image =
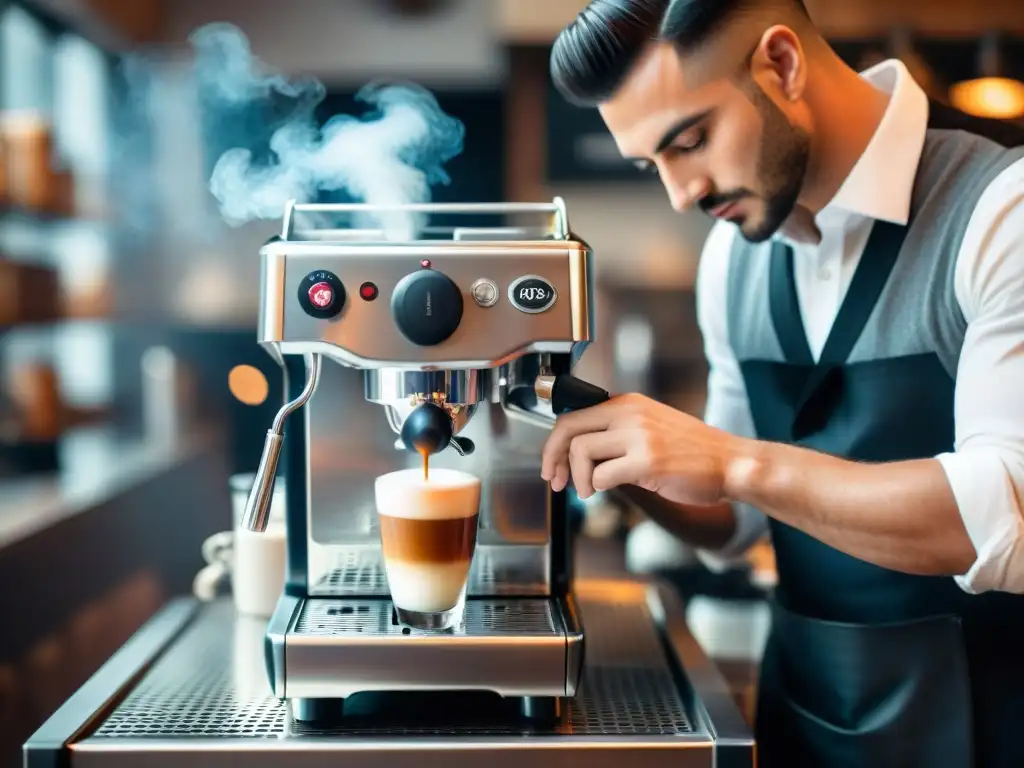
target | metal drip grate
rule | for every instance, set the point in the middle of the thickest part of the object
(376, 617)
(193, 691)
(362, 573)
(357, 573)
(201, 688)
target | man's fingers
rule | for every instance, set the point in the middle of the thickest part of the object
(627, 470)
(569, 426)
(586, 450)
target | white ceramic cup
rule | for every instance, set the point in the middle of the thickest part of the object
(730, 629)
(254, 563)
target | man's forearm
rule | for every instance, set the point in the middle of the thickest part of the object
(702, 527)
(900, 515)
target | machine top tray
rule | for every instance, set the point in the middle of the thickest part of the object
(648, 697)
(375, 618)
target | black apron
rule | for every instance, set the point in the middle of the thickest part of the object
(866, 666)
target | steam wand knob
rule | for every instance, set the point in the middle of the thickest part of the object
(568, 393)
(257, 506)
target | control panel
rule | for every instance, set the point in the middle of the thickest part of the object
(463, 304)
(427, 305)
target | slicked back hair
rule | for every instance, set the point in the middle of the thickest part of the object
(593, 55)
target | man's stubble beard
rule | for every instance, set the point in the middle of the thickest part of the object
(783, 158)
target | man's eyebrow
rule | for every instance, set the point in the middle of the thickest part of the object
(670, 135)
(685, 124)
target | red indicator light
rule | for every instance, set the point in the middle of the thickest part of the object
(368, 291)
(425, 263)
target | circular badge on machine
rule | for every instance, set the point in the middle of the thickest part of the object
(531, 294)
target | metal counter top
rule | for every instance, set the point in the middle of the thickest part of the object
(190, 688)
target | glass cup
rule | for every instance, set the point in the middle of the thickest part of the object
(428, 531)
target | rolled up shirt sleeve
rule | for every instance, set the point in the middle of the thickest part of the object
(986, 468)
(727, 406)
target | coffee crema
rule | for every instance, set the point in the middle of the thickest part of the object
(428, 535)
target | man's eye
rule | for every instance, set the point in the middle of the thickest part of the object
(691, 143)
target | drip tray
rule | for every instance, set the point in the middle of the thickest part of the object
(211, 683)
(191, 689)
(512, 647)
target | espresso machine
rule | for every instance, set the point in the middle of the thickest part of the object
(459, 343)
(450, 344)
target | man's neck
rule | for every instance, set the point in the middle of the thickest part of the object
(847, 111)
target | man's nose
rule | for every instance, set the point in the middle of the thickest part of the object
(684, 195)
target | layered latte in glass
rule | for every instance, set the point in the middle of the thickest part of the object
(428, 530)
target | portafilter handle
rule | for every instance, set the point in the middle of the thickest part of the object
(568, 393)
(257, 506)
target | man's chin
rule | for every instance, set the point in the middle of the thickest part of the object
(757, 233)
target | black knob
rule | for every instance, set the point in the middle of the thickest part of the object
(427, 306)
(321, 294)
(428, 429)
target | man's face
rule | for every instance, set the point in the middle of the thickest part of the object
(716, 141)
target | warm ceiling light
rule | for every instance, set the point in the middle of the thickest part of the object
(998, 97)
(991, 94)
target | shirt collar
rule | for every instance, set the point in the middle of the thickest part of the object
(881, 183)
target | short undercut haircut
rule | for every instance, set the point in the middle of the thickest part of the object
(594, 54)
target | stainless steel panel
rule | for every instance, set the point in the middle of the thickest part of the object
(574, 651)
(366, 331)
(510, 647)
(350, 444)
(512, 751)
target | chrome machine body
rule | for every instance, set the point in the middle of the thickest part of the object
(347, 684)
(456, 327)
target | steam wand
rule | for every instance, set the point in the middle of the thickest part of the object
(257, 507)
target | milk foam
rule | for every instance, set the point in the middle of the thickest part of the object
(426, 587)
(447, 495)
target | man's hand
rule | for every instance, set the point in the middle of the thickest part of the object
(633, 440)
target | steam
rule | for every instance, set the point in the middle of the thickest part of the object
(392, 154)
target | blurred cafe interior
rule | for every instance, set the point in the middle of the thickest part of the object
(134, 397)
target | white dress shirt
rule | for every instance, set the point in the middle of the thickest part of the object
(986, 467)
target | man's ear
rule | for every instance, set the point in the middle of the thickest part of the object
(780, 58)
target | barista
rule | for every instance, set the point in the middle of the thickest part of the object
(861, 299)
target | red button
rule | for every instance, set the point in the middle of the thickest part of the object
(368, 291)
(321, 295)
